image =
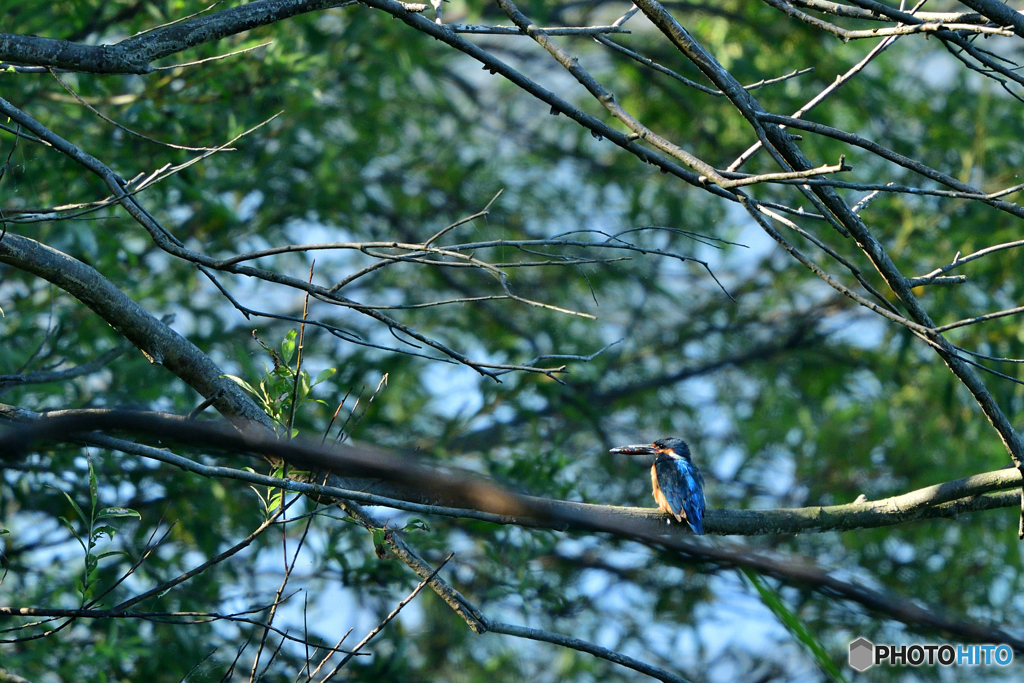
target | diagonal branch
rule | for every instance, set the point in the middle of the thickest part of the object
(136, 54)
(158, 342)
(789, 155)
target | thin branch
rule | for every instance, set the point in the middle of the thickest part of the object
(289, 568)
(298, 354)
(552, 30)
(841, 10)
(215, 58)
(584, 646)
(88, 368)
(960, 260)
(479, 498)
(199, 569)
(380, 627)
(927, 27)
(120, 126)
(744, 179)
(790, 157)
(468, 219)
(980, 319)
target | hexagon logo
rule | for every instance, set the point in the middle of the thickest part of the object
(862, 654)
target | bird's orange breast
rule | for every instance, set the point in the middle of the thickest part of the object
(660, 498)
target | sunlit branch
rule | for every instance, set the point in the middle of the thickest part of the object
(962, 190)
(841, 10)
(550, 30)
(959, 260)
(651, 64)
(790, 157)
(949, 499)
(831, 88)
(480, 498)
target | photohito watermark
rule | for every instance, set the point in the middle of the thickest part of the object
(864, 654)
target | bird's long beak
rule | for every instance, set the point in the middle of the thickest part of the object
(638, 449)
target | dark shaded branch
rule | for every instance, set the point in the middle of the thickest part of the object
(135, 55)
(999, 13)
(455, 493)
(512, 508)
(584, 646)
(88, 368)
(158, 342)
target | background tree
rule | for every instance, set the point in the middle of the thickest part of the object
(797, 326)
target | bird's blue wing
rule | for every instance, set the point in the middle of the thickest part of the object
(683, 487)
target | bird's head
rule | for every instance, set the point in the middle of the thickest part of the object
(669, 446)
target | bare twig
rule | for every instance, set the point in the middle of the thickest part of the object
(380, 627)
(550, 30)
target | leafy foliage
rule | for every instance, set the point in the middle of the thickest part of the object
(789, 397)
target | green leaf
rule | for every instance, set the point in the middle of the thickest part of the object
(65, 522)
(74, 505)
(288, 346)
(242, 383)
(93, 486)
(117, 512)
(111, 553)
(416, 524)
(323, 375)
(793, 623)
(263, 502)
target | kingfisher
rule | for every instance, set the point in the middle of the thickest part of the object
(678, 484)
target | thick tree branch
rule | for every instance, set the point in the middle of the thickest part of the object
(160, 344)
(452, 493)
(135, 55)
(999, 13)
(504, 506)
